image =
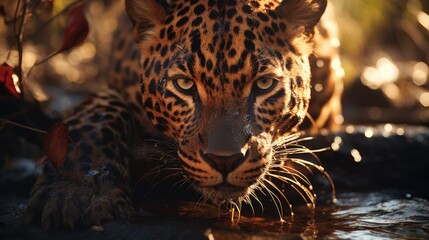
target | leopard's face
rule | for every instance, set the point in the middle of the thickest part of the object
(225, 79)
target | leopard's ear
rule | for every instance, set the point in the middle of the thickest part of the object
(145, 14)
(305, 13)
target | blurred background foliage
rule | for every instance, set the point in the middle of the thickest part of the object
(385, 54)
(384, 46)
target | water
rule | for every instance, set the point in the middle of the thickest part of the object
(372, 215)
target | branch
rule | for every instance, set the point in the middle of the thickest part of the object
(6, 121)
(19, 36)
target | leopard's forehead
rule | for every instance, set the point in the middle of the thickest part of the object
(224, 43)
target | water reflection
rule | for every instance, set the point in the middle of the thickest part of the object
(389, 218)
(354, 216)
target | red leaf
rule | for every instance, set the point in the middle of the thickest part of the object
(6, 78)
(56, 143)
(76, 30)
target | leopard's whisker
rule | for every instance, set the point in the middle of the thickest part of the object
(282, 194)
(248, 201)
(179, 184)
(162, 180)
(292, 172)
(253, 194)
(296, 176)
(321, 170)
(234, 206)
(299, 150)
(275, 199)
(158, 169)
(284, 140)
(199, 201)
(298, 187)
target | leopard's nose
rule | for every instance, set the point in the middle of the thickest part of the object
(224, 164)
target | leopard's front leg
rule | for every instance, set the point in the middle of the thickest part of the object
(92, 187)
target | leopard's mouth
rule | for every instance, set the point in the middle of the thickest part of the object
(221, 177)
(224, 192)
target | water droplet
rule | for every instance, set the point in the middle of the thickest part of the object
(408, 195)
(334, 200)
(310, 187)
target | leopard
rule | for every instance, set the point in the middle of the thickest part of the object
(218, 81)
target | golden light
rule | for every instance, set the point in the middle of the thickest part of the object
(384, 72)
(388, 127)
(337, 68)
(339, 119)
(387, 130)
(424, 99)
(389, 72)
(318, 87)
(29, 58)
(38, 93)
(335, 42)
(336, 143)
(423, 19)
(15, 80)
(391, 91)
(320, 63)
(371, 78)
(350, 129)
(420, 73)
(356, 155)
(369, 133)
(83, 53)
(62, 66)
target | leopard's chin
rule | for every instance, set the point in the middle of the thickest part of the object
(224, 193)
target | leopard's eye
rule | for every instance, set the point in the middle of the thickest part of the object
(184, 84)
(265, 84)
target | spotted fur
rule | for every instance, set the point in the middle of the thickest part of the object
(220, 79)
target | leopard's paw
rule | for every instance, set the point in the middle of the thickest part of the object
(73, 205)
